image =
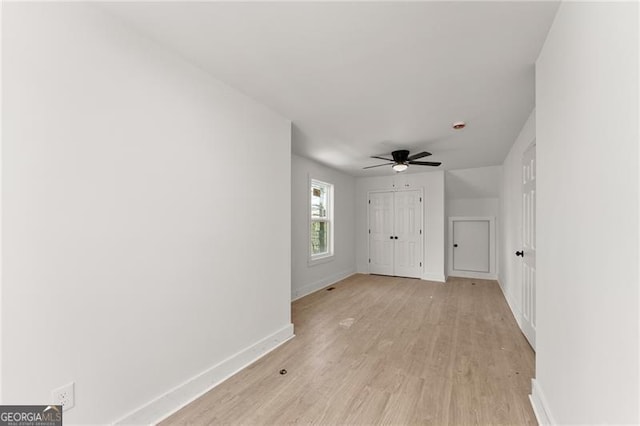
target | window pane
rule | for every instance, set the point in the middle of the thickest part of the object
(318, 201)
(319, 237)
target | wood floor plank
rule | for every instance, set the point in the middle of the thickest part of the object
(385, 350)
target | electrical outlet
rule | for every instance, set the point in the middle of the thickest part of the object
(64, 396)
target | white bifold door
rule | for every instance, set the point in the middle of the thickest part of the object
(395, 233)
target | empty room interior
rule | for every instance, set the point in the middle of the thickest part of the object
(321, 212)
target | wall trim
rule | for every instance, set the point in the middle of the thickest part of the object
(430, 276)
(320, 284)
(515, 309)
(173, 400)
(540, 405)
(477, 275)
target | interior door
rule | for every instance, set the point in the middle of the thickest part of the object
(381, 242)
(395, 233)
(528, 252)
(471, 245)
(408, 234)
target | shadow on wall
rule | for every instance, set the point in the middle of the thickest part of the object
(481, 182)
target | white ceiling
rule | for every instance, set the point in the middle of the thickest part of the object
(361, 79)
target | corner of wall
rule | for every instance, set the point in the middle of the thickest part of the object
(540, 405)
(305, 278)
(429, 276)
(307, 289)
(173, 400)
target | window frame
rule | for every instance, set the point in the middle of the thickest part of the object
(314, 259)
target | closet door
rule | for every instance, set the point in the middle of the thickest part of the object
(408, 230)
(381, 233)
(395, 233)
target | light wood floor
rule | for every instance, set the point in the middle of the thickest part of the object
(416, 353)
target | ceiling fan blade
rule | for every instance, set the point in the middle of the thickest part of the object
(379, 165)
(419, 155)
(424, 163)
(382, 158)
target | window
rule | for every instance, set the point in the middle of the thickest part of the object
(321, 235)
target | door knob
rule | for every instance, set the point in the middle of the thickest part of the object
(520, 253)
(455, 245)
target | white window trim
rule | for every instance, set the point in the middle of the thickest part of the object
(325, 257)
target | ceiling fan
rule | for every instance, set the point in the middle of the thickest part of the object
(402, 159)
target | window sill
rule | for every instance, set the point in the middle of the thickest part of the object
(320, 260)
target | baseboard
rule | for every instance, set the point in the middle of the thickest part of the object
(476, 275)
(178, 397)
(320, 284)
(430, 276)
(515, 309)
(540, 405)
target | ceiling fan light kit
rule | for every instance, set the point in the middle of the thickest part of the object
(401, 160)
(401, 167)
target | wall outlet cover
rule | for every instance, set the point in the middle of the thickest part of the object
(64, 396)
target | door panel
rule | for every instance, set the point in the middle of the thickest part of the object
(408, 229)
(381, 229)
(395, 233)
(471, 241)
(529, 245)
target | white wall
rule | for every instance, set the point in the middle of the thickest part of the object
(587, 363)
(434, 220)
(478, 182)
(474, 207)
(474, 192)
(135, 254)
(510, 266)
(305, 277)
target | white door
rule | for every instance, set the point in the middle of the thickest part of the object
(395, 233)
(528, 252)
(381, 240)
(408, 234)
(471, 245)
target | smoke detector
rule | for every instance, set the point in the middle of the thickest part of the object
(459, 125)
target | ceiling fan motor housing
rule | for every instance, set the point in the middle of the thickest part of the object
(400, 156)
(402, 159)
